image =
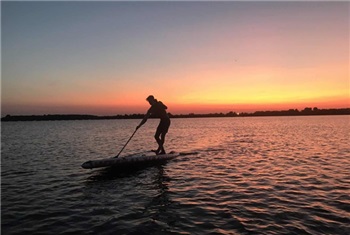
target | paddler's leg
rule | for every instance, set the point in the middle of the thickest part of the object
(163, 130)
(162, 140)
(159, 142)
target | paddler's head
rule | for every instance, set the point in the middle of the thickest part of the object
(151, 100)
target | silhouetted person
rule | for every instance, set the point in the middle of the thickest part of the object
(158, 109)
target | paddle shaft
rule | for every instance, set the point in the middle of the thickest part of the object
(126, 144)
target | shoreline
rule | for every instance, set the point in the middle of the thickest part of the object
(66, 117)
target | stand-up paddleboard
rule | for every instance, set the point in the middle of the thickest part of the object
(129, 161)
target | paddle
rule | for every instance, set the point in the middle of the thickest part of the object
(125, 144)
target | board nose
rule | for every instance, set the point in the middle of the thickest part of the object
(86, 165)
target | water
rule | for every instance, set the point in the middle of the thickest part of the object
(271, 175)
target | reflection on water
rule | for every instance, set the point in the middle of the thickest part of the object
(272, 175)
(111, 173)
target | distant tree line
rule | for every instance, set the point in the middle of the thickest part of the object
(57, 117)
(296, 112)
(290, 112)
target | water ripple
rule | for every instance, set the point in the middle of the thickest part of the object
(287, 175)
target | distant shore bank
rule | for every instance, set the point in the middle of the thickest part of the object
(290, 112)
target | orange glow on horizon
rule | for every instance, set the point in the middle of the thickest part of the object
(141, 106)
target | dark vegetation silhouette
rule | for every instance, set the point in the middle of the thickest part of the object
(290, 112)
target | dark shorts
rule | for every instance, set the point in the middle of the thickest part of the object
(163, 126)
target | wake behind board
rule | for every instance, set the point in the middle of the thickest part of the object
(129, 161)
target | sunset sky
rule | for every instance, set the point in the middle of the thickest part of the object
(105, 58)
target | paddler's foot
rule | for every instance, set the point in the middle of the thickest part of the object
(162, 152)
(155, 151)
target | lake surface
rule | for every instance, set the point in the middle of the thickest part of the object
(257, 175)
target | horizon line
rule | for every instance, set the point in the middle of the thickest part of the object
(190, 113)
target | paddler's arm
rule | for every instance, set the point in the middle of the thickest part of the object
(144, 120)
